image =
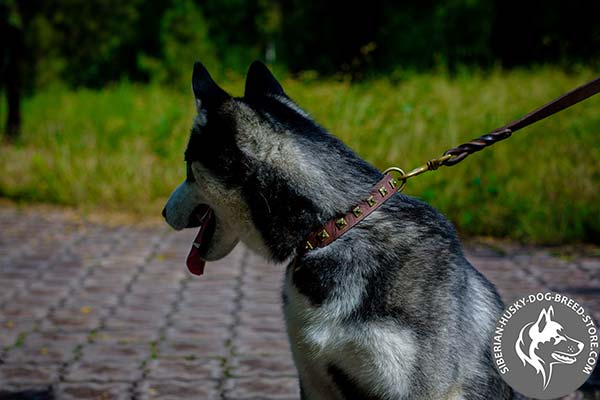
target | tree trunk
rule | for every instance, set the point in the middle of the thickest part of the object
(13, 49)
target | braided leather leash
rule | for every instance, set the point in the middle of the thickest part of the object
(384, 189)
(456, 154)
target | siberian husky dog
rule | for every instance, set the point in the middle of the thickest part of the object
(391, 309)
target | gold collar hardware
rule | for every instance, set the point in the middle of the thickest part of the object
(430, 165)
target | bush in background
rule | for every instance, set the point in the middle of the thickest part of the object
(98, 42)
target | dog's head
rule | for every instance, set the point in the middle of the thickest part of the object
(544, 343)
(259, 169)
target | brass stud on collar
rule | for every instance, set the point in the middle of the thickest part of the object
(383, 191)
(340, 223)
(308, 246)
(323, 235)
(357, 211)
(371, 201)
(393, 183)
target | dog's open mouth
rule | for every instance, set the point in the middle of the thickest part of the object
(203, 217)
(563, 358)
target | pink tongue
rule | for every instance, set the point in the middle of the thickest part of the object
(195, 262)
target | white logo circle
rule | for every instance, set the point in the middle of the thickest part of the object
(545, 345)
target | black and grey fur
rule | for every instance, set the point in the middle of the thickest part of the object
(392, 309)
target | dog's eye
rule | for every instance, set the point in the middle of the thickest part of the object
(558, 339)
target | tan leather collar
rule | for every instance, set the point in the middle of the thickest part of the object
(336, 227)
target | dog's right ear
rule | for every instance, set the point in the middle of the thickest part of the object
(207, 93)
(260, 81)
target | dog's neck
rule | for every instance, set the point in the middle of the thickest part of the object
(285, 211)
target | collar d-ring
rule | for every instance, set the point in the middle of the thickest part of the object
(401, 177)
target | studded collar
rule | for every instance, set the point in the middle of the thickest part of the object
(336, 227)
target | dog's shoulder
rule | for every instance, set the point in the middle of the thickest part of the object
(405, 253)
(404, 240)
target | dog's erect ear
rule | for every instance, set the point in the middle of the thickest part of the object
(205, 89)
(260, 81)
(544, 318)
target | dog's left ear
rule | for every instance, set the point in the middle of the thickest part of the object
(260, 81)
(206, 91)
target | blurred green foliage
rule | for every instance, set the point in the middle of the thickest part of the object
(87, 43)
(178, 42)
(426, 75)
(121, 148)
(92, 43)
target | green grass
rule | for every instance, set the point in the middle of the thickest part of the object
(122, 148)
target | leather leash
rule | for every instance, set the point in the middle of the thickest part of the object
(385, 188)
(573, 97)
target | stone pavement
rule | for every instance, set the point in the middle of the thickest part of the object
(102, 311)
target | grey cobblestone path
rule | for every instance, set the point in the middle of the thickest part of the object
(96, 311)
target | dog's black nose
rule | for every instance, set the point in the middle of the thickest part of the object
(164, 213)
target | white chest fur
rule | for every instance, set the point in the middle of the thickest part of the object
(378, 356)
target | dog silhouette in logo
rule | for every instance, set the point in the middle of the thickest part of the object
(544, 343)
